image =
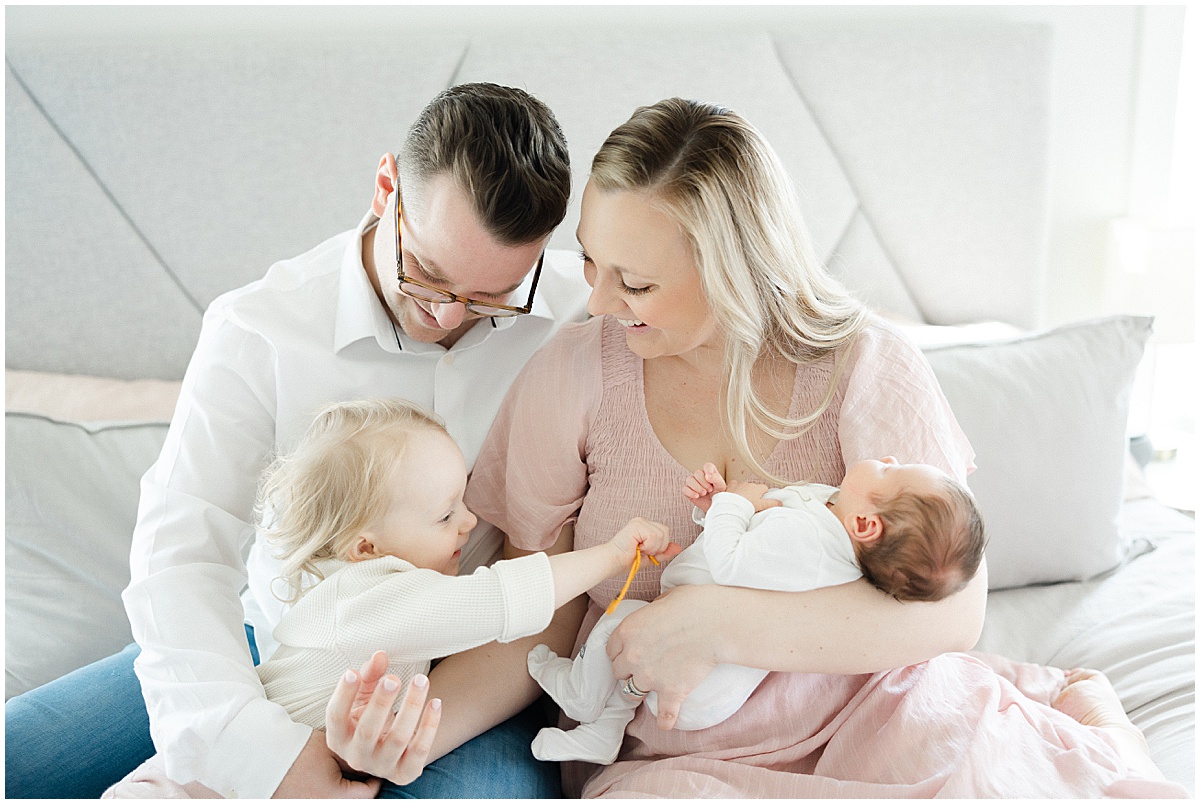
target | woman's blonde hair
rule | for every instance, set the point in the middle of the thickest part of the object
(711, 171)
(315, 500)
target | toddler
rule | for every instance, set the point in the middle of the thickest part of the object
(911, 530)
(368, 518)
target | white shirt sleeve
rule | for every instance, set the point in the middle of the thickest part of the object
(204, 698)
(786, 551)
(420, 614)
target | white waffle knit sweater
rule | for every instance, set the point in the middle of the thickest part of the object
(414, 614)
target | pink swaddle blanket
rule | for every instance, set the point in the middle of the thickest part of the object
(957, 726)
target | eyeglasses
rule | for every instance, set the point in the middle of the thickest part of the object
(427, 293)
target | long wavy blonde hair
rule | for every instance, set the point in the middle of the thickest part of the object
(334, 484)
(715, 174)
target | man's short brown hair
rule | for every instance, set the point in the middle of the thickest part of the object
(504, 149)
(931, 545)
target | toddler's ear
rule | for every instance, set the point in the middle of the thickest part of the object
(362, 548)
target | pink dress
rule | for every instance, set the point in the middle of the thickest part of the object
(573, 443)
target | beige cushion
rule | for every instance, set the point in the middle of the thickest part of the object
(70, 397)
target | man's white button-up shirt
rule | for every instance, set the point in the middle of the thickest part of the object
(271, 354)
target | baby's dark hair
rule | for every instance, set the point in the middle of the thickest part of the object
(932, 544)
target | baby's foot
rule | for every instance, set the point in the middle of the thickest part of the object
(1091, 699)
(539, 659)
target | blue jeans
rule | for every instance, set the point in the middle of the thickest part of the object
(496, 764)
(76, 736)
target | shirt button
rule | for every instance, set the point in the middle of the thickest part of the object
(448, 360)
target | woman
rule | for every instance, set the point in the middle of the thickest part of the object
(718, 337)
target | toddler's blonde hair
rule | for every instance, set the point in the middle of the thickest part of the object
(315, 500)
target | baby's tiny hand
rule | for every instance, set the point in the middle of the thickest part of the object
(654, 539)
(702, 485)
(754, 493)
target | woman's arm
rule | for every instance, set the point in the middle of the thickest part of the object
(672, 644)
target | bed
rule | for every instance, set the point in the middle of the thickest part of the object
(153, 165)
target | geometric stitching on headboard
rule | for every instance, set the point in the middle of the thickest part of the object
(887, 274)
(942, 130)
(265, 168)
(171, 274)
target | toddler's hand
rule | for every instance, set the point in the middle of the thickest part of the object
(653, 538)
(702, 485)
(754, 493)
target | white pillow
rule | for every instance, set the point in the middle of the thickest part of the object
(71, 496)
(1046, 414)
(929, 335)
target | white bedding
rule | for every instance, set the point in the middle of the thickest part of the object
(1137, 625)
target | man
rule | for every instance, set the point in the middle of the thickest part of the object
(481, 182)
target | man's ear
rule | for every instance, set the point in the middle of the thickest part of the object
(361, 548)
(385, 184)
(865, 529)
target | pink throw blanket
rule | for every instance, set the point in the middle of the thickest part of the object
(952, 727)
(957, 726)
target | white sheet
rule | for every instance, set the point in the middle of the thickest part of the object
(1137, 625)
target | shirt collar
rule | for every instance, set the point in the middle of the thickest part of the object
(819, 491)
(361, 315)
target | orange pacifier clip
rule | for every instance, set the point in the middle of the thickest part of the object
(637, 562)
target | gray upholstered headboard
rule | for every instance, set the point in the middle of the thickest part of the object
(145, 176)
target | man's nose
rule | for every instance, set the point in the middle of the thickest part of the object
(449, 315)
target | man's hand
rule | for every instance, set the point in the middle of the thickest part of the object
(316, 773)
(361, 728)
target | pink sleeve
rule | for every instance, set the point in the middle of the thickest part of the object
(531, 474)
(894, 406)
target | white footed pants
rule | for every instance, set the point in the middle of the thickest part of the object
(587, 692)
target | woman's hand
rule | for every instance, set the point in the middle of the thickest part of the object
(362, 730)
(667, 647)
